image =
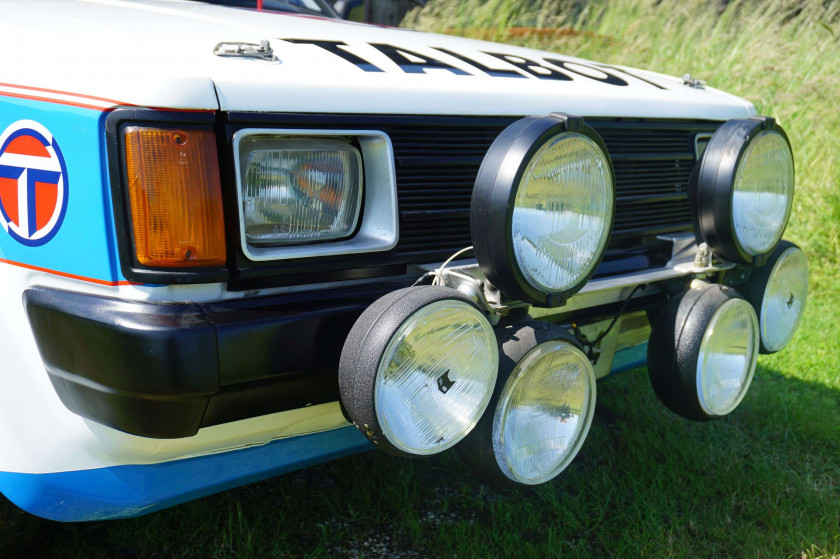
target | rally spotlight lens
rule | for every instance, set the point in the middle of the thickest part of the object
(542, 208)
(742, 190)
(702, 351)
(418, 370)
(544, 413)
(727, 357)
(541, 409)
(561, 213)
(436, 350)
(778, 291)
(763, 192)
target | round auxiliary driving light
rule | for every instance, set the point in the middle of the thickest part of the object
(778, 291)
(742, 190)
(702, 351)
(418, 369)
(542, 208)
(541, 409)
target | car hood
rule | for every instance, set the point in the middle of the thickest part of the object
(161, 54)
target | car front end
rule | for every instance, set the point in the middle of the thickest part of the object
(261, 241)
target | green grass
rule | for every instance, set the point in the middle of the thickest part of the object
(763, 482)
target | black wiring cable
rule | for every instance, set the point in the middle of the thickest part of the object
(422, 279)
(591, 351)
(590, 345)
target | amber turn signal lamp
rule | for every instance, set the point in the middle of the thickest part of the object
(175, 197)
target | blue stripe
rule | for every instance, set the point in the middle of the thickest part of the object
(9, 172)
(128, 491)
(82, 243)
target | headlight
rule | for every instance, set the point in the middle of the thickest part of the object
(541, 411)
(418, 370)
(542, 208)
(743, 189)
(298, 190)
(727, 357)
(702, 352)
(778, 291)
(544, 412)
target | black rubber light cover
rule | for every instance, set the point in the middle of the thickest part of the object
(491, 210)
(777, 291)
(418, 369)
(711, 186)
(675, 349)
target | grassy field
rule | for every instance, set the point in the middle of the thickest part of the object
(764, 482)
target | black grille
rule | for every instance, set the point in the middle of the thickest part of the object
(437, 159)
(437, 165)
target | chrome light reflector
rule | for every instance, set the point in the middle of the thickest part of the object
(542, 208)
(778, 291)
(544, 413)
(702, 351)
(298, 190)
(418, 370)
(742, 189)
(562, 212)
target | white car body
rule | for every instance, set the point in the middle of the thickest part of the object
(65, 65)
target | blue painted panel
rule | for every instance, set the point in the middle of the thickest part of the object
(128, 491)
(629, 358)
(84, 243)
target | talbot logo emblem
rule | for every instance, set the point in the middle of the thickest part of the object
(33, 183)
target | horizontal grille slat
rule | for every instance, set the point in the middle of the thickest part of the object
(418, 196)
(444, 234)
(436, 214)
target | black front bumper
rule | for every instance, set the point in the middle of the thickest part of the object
(164, 370)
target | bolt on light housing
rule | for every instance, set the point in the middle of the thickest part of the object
(742, 189)
(418, 369)
(702, 351)
(540, 412)
(542, 208)
(777, 291)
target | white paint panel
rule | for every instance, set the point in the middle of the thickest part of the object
(39, 435)
(156, 53)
